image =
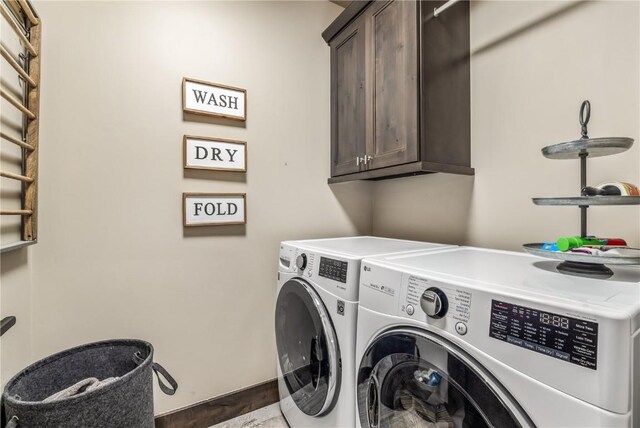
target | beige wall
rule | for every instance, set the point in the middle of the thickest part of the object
(15, 300)
(113, 258)
(532, 64)
(15, 269)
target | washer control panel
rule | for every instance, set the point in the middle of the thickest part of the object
(558, 336)
(436, 300)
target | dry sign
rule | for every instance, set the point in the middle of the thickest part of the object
(214, 153)
(213, 99)
(213, 209)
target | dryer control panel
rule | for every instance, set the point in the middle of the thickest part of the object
(558, 336)
(333, 269)
(332, 272)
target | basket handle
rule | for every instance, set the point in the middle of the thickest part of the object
(13, 422)
(159, 370)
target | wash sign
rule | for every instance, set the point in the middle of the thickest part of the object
(213, 209)
(214, 153)
(213, 99)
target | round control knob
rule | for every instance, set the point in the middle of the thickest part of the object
(301, 261)
(434, 303)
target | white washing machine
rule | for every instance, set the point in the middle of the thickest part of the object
(476, 337)
(315, 323)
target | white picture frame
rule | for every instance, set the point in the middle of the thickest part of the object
(213, 209)
(217, 154)
(213, 99)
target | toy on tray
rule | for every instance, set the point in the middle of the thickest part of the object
(566, 243)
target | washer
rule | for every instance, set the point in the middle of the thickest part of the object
(476, 337)
(315, 322)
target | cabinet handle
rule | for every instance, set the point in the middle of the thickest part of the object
(366, 159)
(360, 160)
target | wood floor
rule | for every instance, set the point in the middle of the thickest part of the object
(266, 417)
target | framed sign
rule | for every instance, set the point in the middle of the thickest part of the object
(213, 99)
(214, 153)
(214, 209)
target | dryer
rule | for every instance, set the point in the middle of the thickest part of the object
(477, 337)
(315, 325)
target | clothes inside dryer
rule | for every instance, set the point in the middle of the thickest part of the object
(409, 380)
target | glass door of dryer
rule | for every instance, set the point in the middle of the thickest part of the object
(412, 378)
(308, 351)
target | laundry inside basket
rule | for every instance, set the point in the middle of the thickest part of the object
(86, 385)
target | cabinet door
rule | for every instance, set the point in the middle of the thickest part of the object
(348, 100)
(392, 79)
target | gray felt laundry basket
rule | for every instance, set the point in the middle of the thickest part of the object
(125, 403)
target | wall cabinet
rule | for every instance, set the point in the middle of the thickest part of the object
(399, 90)
(347, 99)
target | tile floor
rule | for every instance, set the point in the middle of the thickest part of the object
(266, 417)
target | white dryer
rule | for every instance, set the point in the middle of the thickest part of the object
(476, 337)
(315, 325)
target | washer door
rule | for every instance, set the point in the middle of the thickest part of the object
(413, 378)
(308, 351)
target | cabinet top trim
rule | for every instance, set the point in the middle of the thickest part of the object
(347, 15)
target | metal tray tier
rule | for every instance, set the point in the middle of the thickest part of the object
(585, 201)
(536, 250)
(594, 147)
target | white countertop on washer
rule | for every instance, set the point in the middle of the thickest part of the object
(488, 269)
(365, 246)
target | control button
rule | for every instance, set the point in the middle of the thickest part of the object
(409, 310)
(461, 328)
(434, 303)
(301, 261)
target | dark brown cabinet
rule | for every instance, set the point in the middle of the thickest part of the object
(392, 83)
(348, 101)
(399, 90)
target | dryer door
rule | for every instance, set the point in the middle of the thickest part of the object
(413, 378)
(308, 351)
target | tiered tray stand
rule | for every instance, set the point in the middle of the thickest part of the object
(585, 147)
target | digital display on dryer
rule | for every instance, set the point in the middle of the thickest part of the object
(558, 336)
(333, 269)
